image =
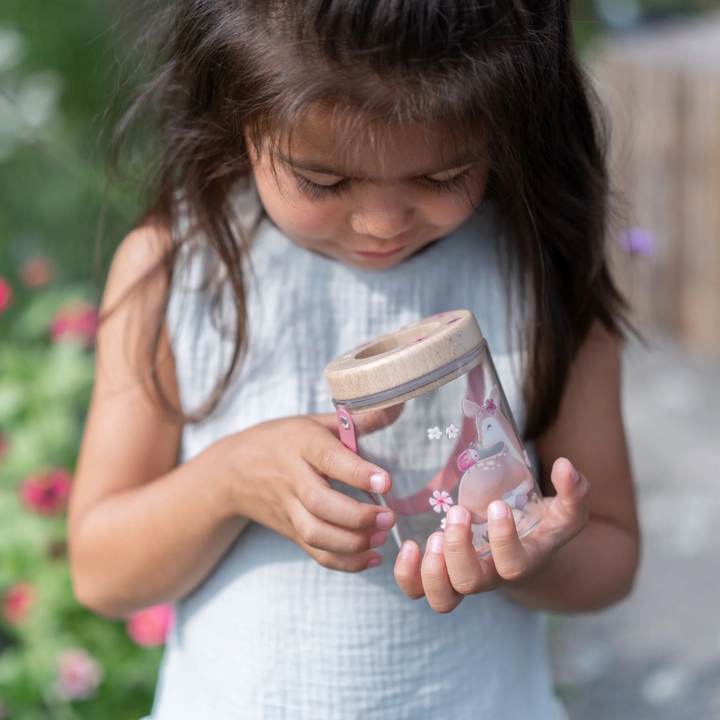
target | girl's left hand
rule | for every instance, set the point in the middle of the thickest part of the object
(451, 569)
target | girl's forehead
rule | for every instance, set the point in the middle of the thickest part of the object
(347, 146)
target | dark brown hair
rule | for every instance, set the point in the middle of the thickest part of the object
(506, 69)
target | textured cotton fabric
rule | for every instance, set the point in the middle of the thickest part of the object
(271, 634)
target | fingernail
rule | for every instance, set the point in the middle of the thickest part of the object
(374, 562)
(377, 539)
(575, 474)
(385, 520)
(377, 482)
(456, 515)
(498, 510)
(435, 544)
(406, 550)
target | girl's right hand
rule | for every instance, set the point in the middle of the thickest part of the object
(278, 477)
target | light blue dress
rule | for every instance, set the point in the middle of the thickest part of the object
(273, 635)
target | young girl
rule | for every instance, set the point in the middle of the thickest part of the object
(332, 170)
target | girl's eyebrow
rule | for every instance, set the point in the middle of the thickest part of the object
(311, 166)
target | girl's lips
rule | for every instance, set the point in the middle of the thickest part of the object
(381, 255)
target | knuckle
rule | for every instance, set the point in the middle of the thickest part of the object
(313, 500)
(358, 543)
(452, 542)
(310, 535)
(327, 457)
(512, 571)
(468, 586)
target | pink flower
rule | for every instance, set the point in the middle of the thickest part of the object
(17, 602)
(75, 322)
(47, 493)
(420, 339)
(454, 320)
(6, 294)
(36, 272)
(150, 627)
(79, 675)
(440, 501)
(490, 406)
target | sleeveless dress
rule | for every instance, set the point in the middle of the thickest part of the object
(271, 634)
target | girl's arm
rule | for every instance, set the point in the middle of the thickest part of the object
(584, 554)
(597, 567)
(133, 542)
(143, 531)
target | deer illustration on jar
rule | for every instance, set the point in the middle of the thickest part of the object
(503, 475)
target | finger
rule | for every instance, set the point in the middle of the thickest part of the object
(320, 500)
(509, 556)
(343, 562)
(440, 593)
(328, 420)
(570, 508)
(332, 458)
(407, 570)
(322, 535)
(467, 574)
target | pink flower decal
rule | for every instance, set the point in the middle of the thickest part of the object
(490, 406)
(440, 501)
(439, 315)
(18, 602)
(419, 340)
(150, 627)
(6, 294)
(454, 320)
(78, 675)
(36, 272)
(46, 494)
(75, 322)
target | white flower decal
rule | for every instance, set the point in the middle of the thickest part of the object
(440, 501)
(443, 523)
(434, 433)
(452, 431)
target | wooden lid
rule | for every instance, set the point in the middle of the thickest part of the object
(391, 361)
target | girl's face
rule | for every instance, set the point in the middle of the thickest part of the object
(370, 209)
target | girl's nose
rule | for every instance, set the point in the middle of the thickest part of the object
(383, 216)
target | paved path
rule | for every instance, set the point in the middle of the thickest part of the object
(656, 656)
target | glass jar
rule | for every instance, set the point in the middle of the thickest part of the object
(425, 404)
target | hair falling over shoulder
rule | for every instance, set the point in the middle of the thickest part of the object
(228, 72)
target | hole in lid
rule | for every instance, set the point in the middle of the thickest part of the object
(396, 341)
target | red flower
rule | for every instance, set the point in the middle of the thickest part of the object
(6, 293)
(150, 627)
(18, 602)
(75, 322)
(36, 272)
(46, 494)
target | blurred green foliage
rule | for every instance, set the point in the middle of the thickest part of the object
(53, 95)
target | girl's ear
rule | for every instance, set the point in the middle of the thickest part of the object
(470, 408)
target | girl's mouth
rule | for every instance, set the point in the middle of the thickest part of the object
(380, 255)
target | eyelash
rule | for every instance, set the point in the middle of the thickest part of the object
(318, 192)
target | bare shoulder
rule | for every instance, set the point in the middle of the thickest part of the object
(139, 253)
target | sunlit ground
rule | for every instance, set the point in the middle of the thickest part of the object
(656, 656)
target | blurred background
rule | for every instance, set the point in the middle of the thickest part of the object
(65, 66)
